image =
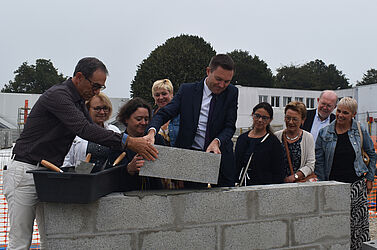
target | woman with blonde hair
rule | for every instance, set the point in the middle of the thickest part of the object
(339, 157)
(162, 92)
(100, 110)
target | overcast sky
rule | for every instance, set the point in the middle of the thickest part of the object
(123, 33)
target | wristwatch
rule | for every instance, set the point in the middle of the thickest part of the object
(296, 177)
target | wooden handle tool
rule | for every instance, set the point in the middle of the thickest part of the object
(88, 156)
(51, 166)
(119, 159)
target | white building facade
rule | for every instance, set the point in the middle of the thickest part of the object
(10, 103)
(366, 97)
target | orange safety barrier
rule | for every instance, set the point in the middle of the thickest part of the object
(372, 201)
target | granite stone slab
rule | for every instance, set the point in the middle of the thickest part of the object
(183, 164)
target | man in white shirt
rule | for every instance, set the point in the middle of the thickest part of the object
(208, 113)
(322, 116)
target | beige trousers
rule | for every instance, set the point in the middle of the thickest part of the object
(20, 193)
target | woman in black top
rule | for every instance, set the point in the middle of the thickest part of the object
(135, 115)
(339, 158)
(266, 165)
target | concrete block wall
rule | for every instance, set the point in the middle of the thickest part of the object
(287, 216)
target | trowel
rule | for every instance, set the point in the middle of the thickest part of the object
(119, 159)
(51, 166)
(85, 167)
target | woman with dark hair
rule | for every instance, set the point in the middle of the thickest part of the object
(135, 115)
(298, 144)
(258, 153)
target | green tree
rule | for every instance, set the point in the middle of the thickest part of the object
(34, 79)
(180, 59)
(369, 78)
(250, 70)
(314, 75)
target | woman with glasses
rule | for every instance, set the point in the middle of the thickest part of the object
(339, 157)
(258, 152)
(297, 144)
(135, 115)
(100, 110)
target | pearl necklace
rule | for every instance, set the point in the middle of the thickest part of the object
(292, 139)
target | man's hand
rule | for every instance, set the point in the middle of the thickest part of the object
(135, 165)
(150, 136)
(369, 186)
(214, 147)
(141, 146)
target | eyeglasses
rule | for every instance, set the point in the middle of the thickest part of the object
(99, 108)
(96, 86)
(258, 116)
(294, 119)
(329, 106)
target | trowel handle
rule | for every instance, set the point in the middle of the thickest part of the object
(51, 166)
(88, 156)
(119, 159)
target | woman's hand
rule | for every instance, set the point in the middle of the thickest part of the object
(135, 165)
(290, 179)
(369, 186)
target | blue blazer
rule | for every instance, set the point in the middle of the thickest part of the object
(187, 103)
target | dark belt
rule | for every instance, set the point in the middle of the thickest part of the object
(18, 158)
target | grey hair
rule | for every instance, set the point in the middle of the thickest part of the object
(350, 103)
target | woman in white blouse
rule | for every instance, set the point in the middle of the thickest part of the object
(100, 109)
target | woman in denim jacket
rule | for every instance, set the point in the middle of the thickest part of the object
(339, 158)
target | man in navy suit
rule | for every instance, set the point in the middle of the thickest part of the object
(208, 113)
(322, 116)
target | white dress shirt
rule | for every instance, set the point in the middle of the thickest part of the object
(318, 124)
(203, 118)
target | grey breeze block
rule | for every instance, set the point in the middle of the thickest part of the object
(183, 164)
